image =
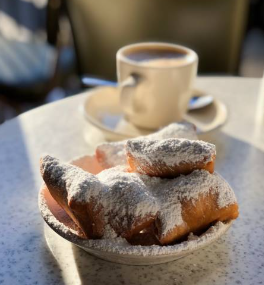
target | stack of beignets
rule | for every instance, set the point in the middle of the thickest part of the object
(128, 200)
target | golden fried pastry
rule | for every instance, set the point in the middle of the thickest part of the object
(145, 237)
(114, 153)
(143, 209)
(77, 192)
(169, 157)
(113, 197)
(190, 203)
(128, 203)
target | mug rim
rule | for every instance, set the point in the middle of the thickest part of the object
(192, 55)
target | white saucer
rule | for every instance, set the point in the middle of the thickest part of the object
(102, 109)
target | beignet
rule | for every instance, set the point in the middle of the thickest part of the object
(77, 192)
(190, 203)
(169, 157)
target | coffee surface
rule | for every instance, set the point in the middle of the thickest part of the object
(158, 57)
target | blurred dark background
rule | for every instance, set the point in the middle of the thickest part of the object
(47, 45)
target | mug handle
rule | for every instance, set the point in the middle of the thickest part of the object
(126, 93)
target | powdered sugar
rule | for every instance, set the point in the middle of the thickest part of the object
(109, 233)
(121, 246)
(127, 197)
(77, 183)
(202, 182)
(171, 151)
(111, 154)
(175, 130)
(123, 195)
(172, 192)
(114, 153)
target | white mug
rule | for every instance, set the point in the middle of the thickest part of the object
(156, 81)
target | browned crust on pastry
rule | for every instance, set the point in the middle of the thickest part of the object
(162, 170)
(136, 225)
(198, 215)
(145, 237)
(88, 216)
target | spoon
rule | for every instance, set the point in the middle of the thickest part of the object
(195, 103)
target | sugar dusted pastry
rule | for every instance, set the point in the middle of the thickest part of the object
(175, 130)
(141, 208)
(114, 153)
(190, 203)
(77, 192)
(169, 157)
(113, 197)
(128, 203)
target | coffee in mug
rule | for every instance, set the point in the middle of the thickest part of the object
(158, 57)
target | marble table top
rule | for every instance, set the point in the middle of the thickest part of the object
(30, 253)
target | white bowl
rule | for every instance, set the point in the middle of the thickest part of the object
(119, 251)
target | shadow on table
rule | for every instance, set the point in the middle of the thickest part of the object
(24, 257)
(227, 260)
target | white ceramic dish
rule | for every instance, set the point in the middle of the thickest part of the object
(122, 252)
(102, 109)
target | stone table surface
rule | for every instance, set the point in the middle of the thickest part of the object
(27, 257)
